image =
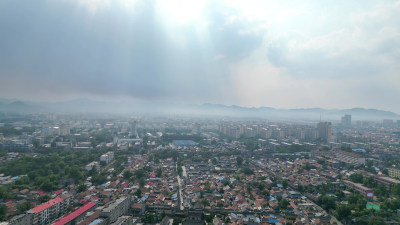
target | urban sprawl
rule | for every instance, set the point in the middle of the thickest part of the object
(107, 169)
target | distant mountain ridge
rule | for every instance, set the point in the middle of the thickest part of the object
(17, 106)
(310, 112)
(206, 109)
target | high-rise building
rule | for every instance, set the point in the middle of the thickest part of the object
(196, 128)
(65, 129)
(346, 120)
(134, 132)
(324, 130)
(388, 123)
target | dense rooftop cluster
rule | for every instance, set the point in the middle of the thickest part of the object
(93, 170)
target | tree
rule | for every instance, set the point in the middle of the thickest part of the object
(343, 212)
(265, 193)
(353, 199)
(370, 220)
(159, 172)
(205, 202)
(99, 178)
(283, 204)
(148, 218)
(75, 173)
(140, 173)
(81, 188)
(25, 206)
(327, 202)
(3, 211)
(309, 166)
(177, 221)
(249, 189)
(226, 182)
(239, 161)
(47, 186)
(396, 189)
(44, 198)
(127, 174)
(180, 170)
(356, 178)
(391, 204)
(247, 171)
(138, 193)
(369, 182)
(207, 187)
(380, 191)
(32, 175)
(361, 203)
(22, 181)
(142, 182)
(3, 193)
(285, 183)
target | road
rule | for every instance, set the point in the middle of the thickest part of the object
(184, 171)
(181, 207)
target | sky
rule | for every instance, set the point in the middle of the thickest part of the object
(282, 54)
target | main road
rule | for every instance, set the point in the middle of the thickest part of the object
(181, 207)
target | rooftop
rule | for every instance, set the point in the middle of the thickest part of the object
(47, 205)
(68, 218)
(388, 179)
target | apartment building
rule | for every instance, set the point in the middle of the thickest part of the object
(124, 220)
(116, 209)
(387, 181)
(107, 158)
(359, 188)
(50, 210)
(350, 158)
(394, 172)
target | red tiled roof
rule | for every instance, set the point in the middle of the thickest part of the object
(137, 206)
(47, 204)
(59, 192)
(68, 218)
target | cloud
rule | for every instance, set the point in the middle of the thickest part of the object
(353, 63)
(281, 54)
(102, 47)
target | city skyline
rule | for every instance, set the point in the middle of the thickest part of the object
(282, 55)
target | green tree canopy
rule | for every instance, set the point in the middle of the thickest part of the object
(343, 212)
